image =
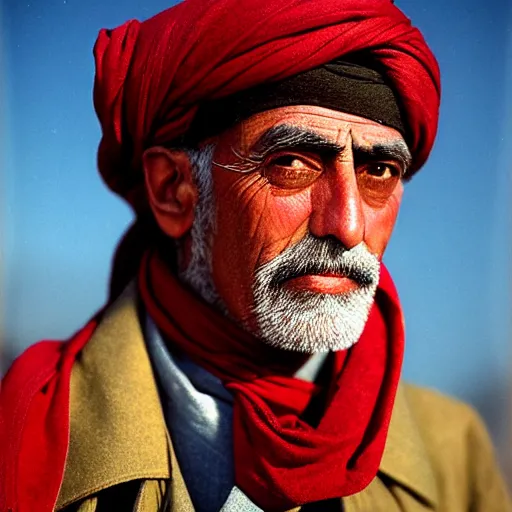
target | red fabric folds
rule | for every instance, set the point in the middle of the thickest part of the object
(280, 460)
(34, 424)
(151, 76)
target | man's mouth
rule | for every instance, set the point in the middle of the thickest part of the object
(333, 284)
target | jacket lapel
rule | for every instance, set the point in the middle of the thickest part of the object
(117, 430)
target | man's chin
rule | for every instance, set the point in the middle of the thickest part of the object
(331, 341)
(309, 322)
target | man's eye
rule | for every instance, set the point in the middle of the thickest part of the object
(290, 171)
(380, 170)
(289, 161)
(377, 182)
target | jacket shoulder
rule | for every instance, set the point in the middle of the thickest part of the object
(434, 410)
(460, 450)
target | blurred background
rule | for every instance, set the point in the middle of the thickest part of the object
(450, 256)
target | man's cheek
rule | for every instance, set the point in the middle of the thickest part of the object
(379, 224)
(240, 203)
(290, 212)
(282, 224)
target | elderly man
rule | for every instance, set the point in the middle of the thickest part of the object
(252, 361)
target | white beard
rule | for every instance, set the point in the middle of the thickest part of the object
(313, 322)
(301, 321)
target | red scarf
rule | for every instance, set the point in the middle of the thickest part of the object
(280, 460)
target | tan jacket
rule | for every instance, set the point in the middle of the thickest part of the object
(438, 456)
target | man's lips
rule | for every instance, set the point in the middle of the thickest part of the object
(322, 283)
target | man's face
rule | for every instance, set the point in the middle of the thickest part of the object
(305, 200)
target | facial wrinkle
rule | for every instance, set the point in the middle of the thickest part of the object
(240, 185)
(261, 218)
(343, 133)
(244, 165)
(346, 154)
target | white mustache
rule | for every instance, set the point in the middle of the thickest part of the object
(317, 256)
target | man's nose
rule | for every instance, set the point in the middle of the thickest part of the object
(337, 206)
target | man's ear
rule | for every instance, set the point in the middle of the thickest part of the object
(172, 193)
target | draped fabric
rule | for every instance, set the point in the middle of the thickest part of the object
(34, 423)
(282, 460)
(152, 76)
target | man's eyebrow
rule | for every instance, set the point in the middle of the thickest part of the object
(393, 150)
(292, 137)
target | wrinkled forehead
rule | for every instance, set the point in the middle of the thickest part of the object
(334, 126)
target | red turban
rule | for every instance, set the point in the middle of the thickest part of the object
(152, 76)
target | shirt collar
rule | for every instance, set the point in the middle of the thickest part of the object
(117, 428)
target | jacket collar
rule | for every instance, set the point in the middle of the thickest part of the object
(117, 428)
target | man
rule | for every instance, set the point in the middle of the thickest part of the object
(250, 356)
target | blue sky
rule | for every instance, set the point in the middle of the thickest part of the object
(451, 251)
